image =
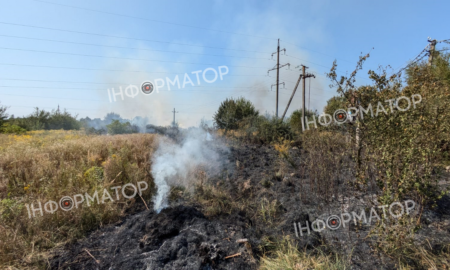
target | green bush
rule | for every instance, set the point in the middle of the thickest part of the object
(260, 128)
(9, 129)
(273, 129)
(334, 104)
(121, 128)
(94, 131)
(295, 121)
(232, 111)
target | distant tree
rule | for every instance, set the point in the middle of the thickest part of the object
(232, 111)
(204, 124)
(62, 120)
(3, 114)
(116, 127)
(35, 121)
(110, 117)
(41, 119)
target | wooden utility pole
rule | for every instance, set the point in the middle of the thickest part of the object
(278, 74)
(304, 76)
(431, 51)
(303, 95)
(290, 99)
(277, 67)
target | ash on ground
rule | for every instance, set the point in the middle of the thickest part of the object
(182, 237)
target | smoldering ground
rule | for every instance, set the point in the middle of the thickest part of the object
(173, 164)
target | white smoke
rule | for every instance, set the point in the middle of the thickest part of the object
(172, 162)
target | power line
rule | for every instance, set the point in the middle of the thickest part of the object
(445, 40)
(119, 47)
(312, 86)
(209, 103)
(27, 80)
(320, 65)
(112, 57)
(50, 97)
(315, 51)
(418, 58)
(140, 39)
(121, 37)
(306, 61)
(178, 24)
(139, 49)
(15, 79)
(73, 98)
(90, 44)
(132, 48)
(153, 20)
(53, 108)
(115, 70)
(76, 88)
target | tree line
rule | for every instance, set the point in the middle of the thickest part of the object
(41, 119)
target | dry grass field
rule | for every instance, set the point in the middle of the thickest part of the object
(41, 166)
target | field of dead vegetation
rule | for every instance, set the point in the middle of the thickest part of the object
(40, 166)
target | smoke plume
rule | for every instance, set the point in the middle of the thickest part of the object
(173, 163)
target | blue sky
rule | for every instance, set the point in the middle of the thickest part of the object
(41, 66)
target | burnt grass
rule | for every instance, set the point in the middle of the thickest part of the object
(184, 237)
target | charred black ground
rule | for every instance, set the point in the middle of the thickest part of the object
(184, 237)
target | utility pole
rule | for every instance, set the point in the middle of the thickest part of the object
(278, 73)
(277, 67)
(173, 123)
(304, 76)
(431, 51)
(290, 99)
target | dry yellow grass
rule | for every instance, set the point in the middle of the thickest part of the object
(47, 165)
(287, 256)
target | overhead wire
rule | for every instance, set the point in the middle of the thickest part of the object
(163, 42)
(416, 59)
(115, 70)
(77, 88)
(109, 83)
(315, 51)
(153, 20)
(131, 48)
(122, 58)
(129, 38)
(178, 24)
